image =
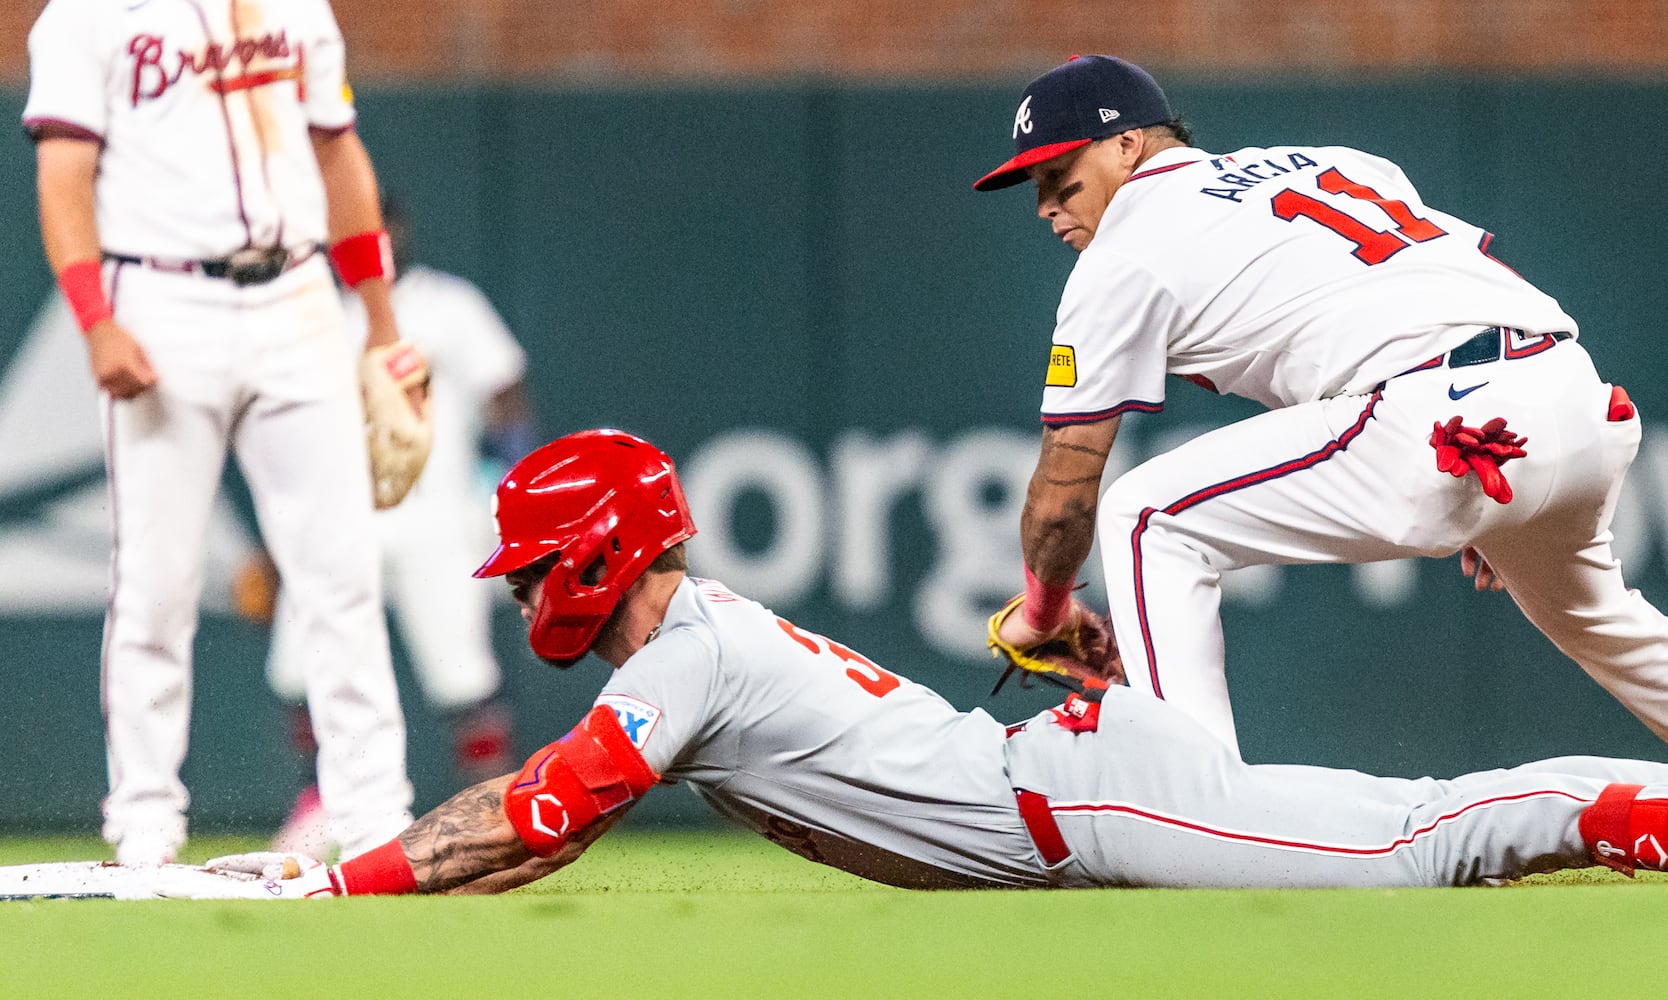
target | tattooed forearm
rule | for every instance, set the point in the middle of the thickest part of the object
(466, 837)
(1052, 442)
(1066, 462)
(535, 868)
(1057, 526)
(1073, 481)
(1055, 546)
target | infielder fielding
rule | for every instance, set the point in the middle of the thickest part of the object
(1403, 364)
(836, 758)
(195, 156)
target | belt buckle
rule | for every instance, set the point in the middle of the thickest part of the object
(256, 265)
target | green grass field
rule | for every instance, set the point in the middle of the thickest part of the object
(703, 914)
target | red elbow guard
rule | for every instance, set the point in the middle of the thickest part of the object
(562, 789)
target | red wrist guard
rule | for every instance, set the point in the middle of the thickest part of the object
(1045, 604)
(381, 871)
(83, 286)
(367, 255)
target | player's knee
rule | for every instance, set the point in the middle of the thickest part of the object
(1123, 508)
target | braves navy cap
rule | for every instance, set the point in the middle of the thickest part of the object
(1072, 105)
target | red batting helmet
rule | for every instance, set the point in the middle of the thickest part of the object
(609, 503)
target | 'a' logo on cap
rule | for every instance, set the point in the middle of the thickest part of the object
(1022, 117)
(1107, 115)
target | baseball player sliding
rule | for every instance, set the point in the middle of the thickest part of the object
(844, 762)
(195, 158)
(1404, 366)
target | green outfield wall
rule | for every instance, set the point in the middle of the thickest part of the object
(794, 290)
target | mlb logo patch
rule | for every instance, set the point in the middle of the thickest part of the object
(636, 717)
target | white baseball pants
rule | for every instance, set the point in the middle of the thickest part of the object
(430, 547)
(1353, 479)
(266, 371)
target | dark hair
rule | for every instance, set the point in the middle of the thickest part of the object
(1175, 128)
(673, 560)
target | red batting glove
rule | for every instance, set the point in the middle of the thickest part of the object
(1461, 449)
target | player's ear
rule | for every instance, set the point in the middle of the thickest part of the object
(1131, 145)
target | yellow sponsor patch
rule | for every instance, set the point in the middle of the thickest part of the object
(347, 92)
(1062, 367)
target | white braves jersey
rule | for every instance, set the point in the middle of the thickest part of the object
(472, 356)
(820, 750)
(1283, 275)
(203, 108)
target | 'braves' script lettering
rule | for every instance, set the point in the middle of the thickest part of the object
(154, 73)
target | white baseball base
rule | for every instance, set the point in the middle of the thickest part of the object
(105, 880)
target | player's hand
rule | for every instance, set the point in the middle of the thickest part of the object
(1082, 650)
(382, 332)
(1018, 633)
(264, 864)
(119, 364)
(260, 875)
(1472, 564)
(416, 393)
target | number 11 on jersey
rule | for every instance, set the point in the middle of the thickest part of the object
(1372, 246)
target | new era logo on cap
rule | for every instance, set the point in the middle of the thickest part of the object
(1088, 98)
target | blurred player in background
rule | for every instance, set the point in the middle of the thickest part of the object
(1403, 364)
(826, 753)
(192, 169)
(431, 541)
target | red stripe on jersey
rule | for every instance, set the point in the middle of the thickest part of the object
(1197, 497)
(1511, 353)
(1161, 170)
(1289, 844)
(1063, 419)
(1483, 245)
(54, 128)
(250, 81)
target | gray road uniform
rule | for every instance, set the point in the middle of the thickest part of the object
(822, 751)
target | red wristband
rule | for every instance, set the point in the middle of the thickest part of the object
(381, 871)
(367, 255)
(83, 285)
(1045, 604)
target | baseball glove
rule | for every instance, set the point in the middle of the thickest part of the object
(399, 429)
(1083, 657)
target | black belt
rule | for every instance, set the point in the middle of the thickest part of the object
(249, 266)
(1494, 344)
